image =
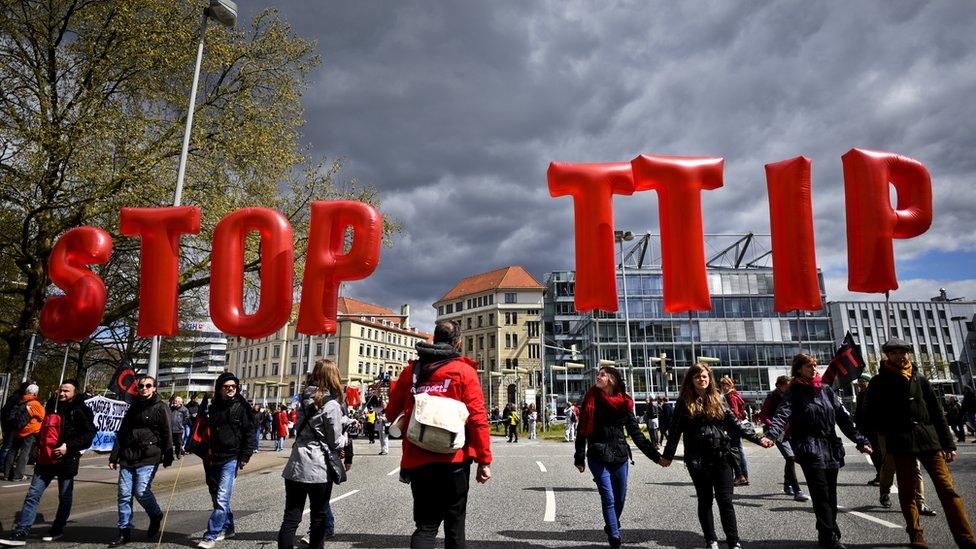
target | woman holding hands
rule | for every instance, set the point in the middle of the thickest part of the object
(812, 411)
(607, 410)
(701, 418)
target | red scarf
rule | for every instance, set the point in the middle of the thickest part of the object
(815, 382)
(613, 406)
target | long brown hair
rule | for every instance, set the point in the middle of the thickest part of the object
(617, 384)
(709, 404)
(799, 361)
(326, 380)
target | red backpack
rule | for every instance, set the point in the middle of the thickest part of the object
(48, 439)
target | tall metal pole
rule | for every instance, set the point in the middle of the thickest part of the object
(181, 172)
(64, 365)
(623, 276)
(542, 367)
(691, 336)
(30, 357)
(298, 363)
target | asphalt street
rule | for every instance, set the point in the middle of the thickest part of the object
(536, 498)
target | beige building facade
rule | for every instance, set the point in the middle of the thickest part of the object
(369, 339)
(499, 313)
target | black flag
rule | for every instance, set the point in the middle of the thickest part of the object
(123, 381)
(847, 364)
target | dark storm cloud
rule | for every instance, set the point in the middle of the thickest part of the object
(453, 110)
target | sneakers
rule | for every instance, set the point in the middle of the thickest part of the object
(926, 510)
(712, 545)
(787, 489)
(206, 544)
(15, 539)
(885, 501)
(741, 480)
(54, 534)
(800, 496)
(384, 453)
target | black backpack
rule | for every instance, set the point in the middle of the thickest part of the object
(17, 417)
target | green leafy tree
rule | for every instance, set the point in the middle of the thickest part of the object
(93, 99)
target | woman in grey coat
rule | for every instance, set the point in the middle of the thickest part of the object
(319, 433)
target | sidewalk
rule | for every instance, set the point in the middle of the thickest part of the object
(96, 486)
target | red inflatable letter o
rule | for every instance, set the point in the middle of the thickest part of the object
(227, 273)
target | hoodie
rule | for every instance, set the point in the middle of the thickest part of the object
(231, 426)
(444, 373)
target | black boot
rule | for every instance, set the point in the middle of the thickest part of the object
(153, 532)
(124, 536)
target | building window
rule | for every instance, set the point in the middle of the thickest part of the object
(276, 352)
(318, 349)
(511, 297)
(514, 340)
(481, 343)
(508, 364)
(264, 353)
(481, 320)
(274, 369)
(294, 350)
(440, 311)
(294, 368)
(508, 341)
(469, 322)
(449, 308)
(491, 341)
(491, 320)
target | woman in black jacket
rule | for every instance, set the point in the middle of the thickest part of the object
(704, 421)
(608, 410)
(812, 411)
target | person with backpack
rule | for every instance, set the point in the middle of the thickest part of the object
(704, 422)
(143, 442)
(813, 412)
(193, 407)
(446, 381)
(8, 427)
(228, 448)
(60, 450)
(25, 419)
(313, 468)
(571, 418)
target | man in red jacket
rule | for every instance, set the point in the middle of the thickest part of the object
(439, 482)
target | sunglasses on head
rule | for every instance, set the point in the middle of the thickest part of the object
(146, 385)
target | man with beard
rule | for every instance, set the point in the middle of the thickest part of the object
(231, 445)
(77, 431)
(142, 443)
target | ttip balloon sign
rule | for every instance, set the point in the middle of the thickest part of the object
(872, 223)
(79, 311)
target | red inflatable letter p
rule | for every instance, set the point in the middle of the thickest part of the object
(871, 221)
(327, 265)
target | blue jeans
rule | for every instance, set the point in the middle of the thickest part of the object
(257, 439)
(8, 443)
(38, 484)
(611, 481)
(186, 434)
(220, 481)
(137, 481)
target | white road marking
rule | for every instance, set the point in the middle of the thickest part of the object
(15, 485)
(333, 500)
(550, 515)
(866, 516)
(541, 466)
(393, 472)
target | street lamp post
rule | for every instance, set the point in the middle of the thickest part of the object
(225, 13)
(620, 237)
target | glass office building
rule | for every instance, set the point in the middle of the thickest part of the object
(741, 336)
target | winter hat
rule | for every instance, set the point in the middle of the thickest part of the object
(895, 343)
(224, 378)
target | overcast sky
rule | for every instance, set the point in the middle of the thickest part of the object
(453, 110)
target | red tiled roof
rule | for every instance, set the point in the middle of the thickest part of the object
(350, 306)
(509, 278)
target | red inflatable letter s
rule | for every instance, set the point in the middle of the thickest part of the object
(227, 273)
(592, 187)
(326, 265)
(75, 315)
(679, 181)
(871, 221)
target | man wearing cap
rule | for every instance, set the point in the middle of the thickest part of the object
(231, 445)
(905, 412)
